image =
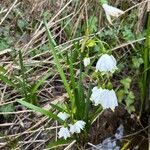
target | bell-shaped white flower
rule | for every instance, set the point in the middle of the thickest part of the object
(64, 132)
(109, 99)
(86, 61)
(96, 95)
(77, 127)
(111, 11)
(63, 115)
(106, 63)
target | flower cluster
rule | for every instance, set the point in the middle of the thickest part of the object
(107, 98)
(66, 132)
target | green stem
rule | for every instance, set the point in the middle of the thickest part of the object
(146, 65)
(103, 2)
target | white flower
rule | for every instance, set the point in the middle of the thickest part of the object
(63, 115)
(106, 63)
(96, 95)
(109, 99)
(111, 11)
(77, 127)
(64, 132)
(86, 61)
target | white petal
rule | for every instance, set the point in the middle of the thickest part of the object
(96, 95)
(80, 124)
(95, 89)
(109, 100)
(111, 11)
(63, 115)
(72, 128)
(64, 132)
(77, 127)
(86, 61)
(106, 63)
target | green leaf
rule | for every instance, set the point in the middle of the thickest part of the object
(7, 108)
(3, 45)
(24, 78)
(137, 62)
(81, 97)
(72, 75)
(72, 78)
(92, 24)
(7, 81)
(126, 82)
(59, 143)
(87, 104)
(40, 110)
(57, 63)
(120, 94)
(2, 70)
(128, 34)
(58, 108)
(77, 103)
(130, 108)
(103, 1)
(130, 102)
(22, 23)
(130, 98)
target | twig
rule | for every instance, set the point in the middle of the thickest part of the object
(135, 133)
(49, 23)
(70, 145)
(13, 5)
(6, 124)
(17, 112)
(27, 132)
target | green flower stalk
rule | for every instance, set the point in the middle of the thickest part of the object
(103, 2)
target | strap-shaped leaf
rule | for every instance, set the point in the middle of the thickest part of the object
(40, 110)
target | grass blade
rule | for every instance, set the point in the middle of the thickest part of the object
(23, 76)
(41, 110)
(144, 89)
(7, 81)
(57, 62)
(58, 108)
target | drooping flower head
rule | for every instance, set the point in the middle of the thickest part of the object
(109, 100)
(106, 63)
(64, 132)
(96, 95)
(111, 11)
(77, 127)
(63, 115)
